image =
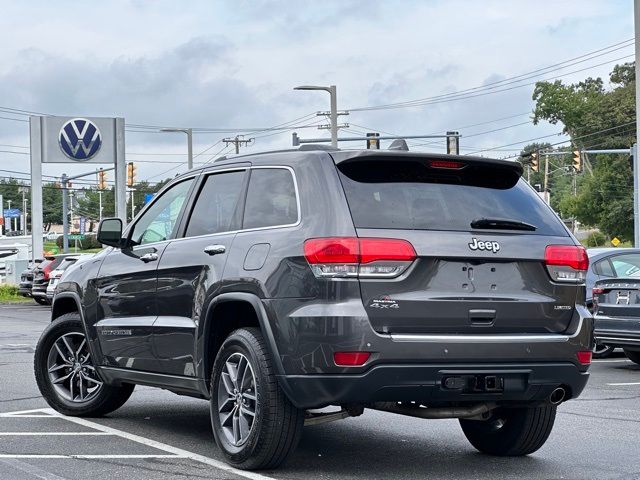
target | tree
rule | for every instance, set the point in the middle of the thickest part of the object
(595, 117)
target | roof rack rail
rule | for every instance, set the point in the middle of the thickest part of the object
(317, 146)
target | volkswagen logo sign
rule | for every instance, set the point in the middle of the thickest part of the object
(80, 139)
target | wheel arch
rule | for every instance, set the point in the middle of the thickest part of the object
(220, 321)
(66, 302)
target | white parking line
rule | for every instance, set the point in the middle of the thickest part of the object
(171, 452)
(623, 384)
(612, 360)
(27, 455)
(44, 434)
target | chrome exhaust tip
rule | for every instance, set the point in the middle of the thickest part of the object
(557, 396)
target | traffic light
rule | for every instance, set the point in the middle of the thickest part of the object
(535, 165)
(131, 174)
(102, 180)
(373, 143)
(577, 160)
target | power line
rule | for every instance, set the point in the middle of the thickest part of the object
(510, 80)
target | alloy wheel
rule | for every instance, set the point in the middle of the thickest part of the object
(237, 398)
(70, 369)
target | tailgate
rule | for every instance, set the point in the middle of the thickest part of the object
(469, 276)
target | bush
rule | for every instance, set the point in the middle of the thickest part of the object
(596, 239)
(9, 293)
(90, 241)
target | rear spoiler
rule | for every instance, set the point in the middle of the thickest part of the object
(342, 156)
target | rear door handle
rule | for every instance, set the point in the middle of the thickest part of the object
(214, 249)
(149, 257)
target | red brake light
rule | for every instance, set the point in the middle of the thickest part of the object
(446, 164)
(566, 263)
(584, 357)
(46, 270)
(352, 256)
(332, 250)
(597, 291)
(567, 256)
(374, 249)
(350, 359)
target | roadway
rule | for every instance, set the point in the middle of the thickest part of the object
(161, 435)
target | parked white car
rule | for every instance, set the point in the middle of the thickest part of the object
(56, 275)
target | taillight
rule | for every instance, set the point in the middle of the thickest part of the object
(350, 359)
(363, 257)
(584, 357)
(597, 291)
(45, 272)
(566, 263)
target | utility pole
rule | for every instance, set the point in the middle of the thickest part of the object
(636, 172)
(237, 141)
(24, 210)
(546, 179)
(65, 210)
(133, 207)
(100, 205)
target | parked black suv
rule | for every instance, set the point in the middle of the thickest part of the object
(272, 284)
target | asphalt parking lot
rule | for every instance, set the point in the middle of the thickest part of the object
(158, 434)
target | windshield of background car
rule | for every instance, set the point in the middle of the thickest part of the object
(408, 194)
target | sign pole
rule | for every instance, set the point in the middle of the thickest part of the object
(121, 171)
(36, 136)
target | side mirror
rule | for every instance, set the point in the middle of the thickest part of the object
(110, 232)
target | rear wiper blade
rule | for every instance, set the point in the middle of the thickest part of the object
(502, 224)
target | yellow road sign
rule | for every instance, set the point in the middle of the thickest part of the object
(615, 241)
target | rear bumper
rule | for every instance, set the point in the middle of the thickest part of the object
(411, 367)
(39, 291)
(521, 383)
(617, 331)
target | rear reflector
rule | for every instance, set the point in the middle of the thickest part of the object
(584, 357)
(446, 164)
(353, 256)
(566, 263)
(350, 359)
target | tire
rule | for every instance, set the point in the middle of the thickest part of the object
(602, 351)
(67, 396)
(274, 429)
(41, 301)
(511, 432)
(633, 355)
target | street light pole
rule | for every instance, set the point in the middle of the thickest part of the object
(333, 114)
(189, 132)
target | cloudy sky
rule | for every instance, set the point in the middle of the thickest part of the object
(229, 67)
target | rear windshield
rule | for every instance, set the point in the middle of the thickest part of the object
(67, 263)
(408, 194)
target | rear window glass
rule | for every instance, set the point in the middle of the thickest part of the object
(408, 194)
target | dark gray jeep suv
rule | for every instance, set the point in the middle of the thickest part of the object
(275, 285)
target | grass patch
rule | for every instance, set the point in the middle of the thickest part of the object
(9, 294)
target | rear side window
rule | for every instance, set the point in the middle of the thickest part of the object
(627, 265)
(215, 208)
(603, 267)
(409, 194)
(271, 199)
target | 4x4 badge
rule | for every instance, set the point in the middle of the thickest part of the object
(478, 245)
